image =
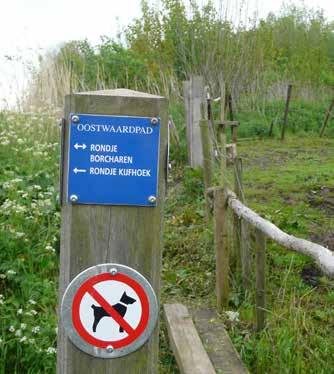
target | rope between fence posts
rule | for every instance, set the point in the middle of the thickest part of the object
(323, 256)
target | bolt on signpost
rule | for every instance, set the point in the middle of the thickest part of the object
(113, 173)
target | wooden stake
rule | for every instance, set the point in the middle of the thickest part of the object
(260, 250)
(286, 112)
(327, 115)
(221, 248)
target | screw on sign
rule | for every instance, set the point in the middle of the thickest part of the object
(109, 310)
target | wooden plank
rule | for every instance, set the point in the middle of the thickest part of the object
(186, 344)
(218, 345)
(92, 234)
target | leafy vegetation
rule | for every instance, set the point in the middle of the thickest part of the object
(169, 43)
(29, 243)
(289, 183)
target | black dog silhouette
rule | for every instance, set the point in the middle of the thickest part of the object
(120, 308)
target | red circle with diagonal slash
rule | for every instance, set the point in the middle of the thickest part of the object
(88, 287)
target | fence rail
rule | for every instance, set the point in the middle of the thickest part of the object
(322, 255)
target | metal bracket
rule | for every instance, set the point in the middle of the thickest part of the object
(62, 125)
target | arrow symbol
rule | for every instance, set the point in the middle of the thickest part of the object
(77, 146)
(76, 170)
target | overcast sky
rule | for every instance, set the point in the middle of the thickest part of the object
(29, 27)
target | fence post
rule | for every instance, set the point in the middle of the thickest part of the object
(207, 160)
(238, 189)
(286, 112)
(97, 234)
(194, 101)
(260, 251)
(327, 115)
(222, 134)
(221, 248)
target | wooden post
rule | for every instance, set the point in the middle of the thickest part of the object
(222, 134)
(270, 134)
(286, 112)
(207, 161)
(188, 114)
(221, 249)
(246, 259)
(193, 108)
(260, 250)
(238, 189)
(327, 115)
(97, 234)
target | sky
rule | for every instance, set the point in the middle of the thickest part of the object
(32, 27)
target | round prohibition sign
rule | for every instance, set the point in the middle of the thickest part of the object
(109, 310)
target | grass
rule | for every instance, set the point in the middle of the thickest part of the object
(285, 183)
(290, 184)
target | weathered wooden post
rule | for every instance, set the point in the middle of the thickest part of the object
(286, 112)
(112, 210)
(221, 249)
(194, 98)
(327, 116)
(260, 254)
(238, 189)
(207, 152)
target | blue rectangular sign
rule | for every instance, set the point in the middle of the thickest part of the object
(113, 160)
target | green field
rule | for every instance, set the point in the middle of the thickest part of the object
(288, 183)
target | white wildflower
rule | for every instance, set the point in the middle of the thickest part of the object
(232, 316)
(11, 328)
(31, 301)
(51, 351)
(33, 312)
(36, 330)
(18, 333)
(23, 326)
(19, 311)
(23, 339)
(50, 248)
(11, 272)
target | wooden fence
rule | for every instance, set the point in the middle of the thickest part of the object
(248, 228)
